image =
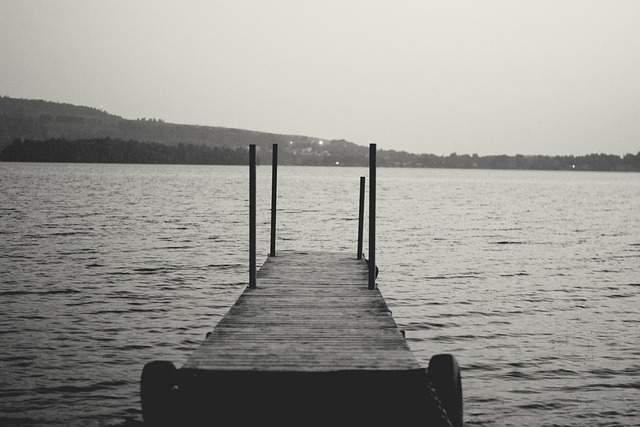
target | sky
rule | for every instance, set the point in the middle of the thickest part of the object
(552, 77)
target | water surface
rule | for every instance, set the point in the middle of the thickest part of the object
(529, 278)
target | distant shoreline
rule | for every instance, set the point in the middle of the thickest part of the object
(333, 153)
(44, 131)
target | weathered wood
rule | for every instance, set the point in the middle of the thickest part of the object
(252, 216)
(372, 215)
(361, 217)
(274, 197)
(310, 312)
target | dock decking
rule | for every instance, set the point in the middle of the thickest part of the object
(311, 344)
(311, 312)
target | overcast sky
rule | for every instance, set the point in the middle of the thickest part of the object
(486, 77)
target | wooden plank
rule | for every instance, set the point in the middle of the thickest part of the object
(310, 312)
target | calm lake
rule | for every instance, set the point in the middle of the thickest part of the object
(531, 279)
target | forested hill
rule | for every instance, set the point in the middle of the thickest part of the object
(48, 131)
(43, 120)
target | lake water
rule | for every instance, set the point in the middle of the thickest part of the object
(531, 279)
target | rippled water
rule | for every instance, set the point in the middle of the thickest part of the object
(532, 279)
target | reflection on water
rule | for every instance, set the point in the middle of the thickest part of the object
(529, 278)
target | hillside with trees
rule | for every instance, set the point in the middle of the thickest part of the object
(43, 120)
(32, 130)
(330, 153)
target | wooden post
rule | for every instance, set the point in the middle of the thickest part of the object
(252, 216)
(372, 216)
(274, 195)
(361, 217)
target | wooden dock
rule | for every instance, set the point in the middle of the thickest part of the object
(311, 312)
(311, 344)
(311, 341)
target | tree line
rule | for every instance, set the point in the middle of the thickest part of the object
(305, 153)
(589, 162)
(107, 150)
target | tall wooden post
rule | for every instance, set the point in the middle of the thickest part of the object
(274, 196)
(252, 216)
(372, 216)
(361, 217)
